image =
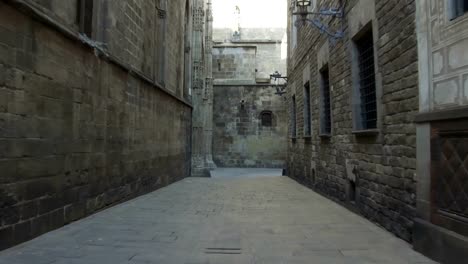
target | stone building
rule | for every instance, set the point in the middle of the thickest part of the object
(94, 107)
(352, 102)
(441, 226)
(250, 119)
(378, 115)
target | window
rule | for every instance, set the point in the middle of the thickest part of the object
(160, 39)
(457, 8)
(267, 119)
(293, 117)
(352, 191)
(85, 17)
(367, 84)
(307, 114)
(325, 118)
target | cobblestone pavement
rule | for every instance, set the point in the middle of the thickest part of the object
(223, 220)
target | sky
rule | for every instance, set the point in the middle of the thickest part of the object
(254, 13)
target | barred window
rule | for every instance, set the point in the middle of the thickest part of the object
(457, 8)
(307, 112)
(85, 17)
(293, 117)
(267, 119)
(325, 118)
(367, 84)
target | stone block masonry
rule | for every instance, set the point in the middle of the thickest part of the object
(250, 119)
(77, 133)
(240, 138)
(373, 172)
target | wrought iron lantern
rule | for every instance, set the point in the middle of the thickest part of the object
(303, 3)
(280, 88)
(302, 7)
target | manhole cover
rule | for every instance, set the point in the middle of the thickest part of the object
(223, 251)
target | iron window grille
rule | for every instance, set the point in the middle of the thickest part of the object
(326, 102)
(307, 112)
(293, 117)
(367, 83)
(267, 119)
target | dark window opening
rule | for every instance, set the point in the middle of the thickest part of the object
(367, 89)
(85, 17)
(313, 177)
(307, 113)
(267, 119)
(352, 191)
(457, 8)
(293, 117)
(326, 102)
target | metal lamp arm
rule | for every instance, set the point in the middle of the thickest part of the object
(322, 27)
(329, 12)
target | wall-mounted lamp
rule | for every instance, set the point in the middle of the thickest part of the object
(280, 88)
(303, 12)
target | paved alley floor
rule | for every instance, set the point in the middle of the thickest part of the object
(221, 220)
(237, 173)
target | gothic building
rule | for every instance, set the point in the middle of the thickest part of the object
(94, 107)
(202, 84)
(377, 114)
(250, 116)
(441, 223)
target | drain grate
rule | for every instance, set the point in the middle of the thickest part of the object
(223, 251)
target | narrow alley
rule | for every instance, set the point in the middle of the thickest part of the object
(233, 131)
(227, 219)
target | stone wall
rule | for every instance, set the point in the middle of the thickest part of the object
(442, 132)
(381, 164)
(240, 140)
(243, 91)
(444, 60)
(269, 60)
(129, 30)
(78, 132)
(262, 34)
(269, 43)
(234, 64)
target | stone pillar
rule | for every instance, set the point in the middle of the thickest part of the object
(208, 99)
(202, 97)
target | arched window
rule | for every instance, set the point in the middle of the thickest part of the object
(266, 118)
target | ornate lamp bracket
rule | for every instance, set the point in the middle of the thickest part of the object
(316, 21)
(280, 88)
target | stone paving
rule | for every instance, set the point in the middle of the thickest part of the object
(220, 220)
(226, 173)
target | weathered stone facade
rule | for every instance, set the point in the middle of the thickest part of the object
(441, 229)
(202, 82)
(250, 119)
(240, 139)
(85, 124)
(372, 171)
